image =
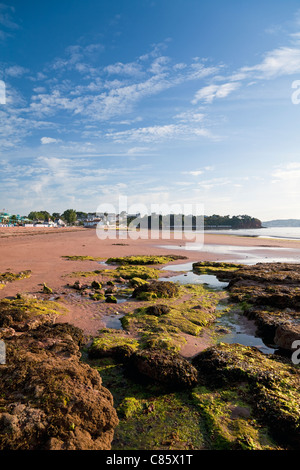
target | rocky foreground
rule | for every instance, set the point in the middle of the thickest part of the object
(270, 295)
(229, 396)
(49, 399)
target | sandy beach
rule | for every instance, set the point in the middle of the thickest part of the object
(192, 332)
(42, 251)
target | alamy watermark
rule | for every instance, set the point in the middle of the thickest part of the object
(296, 93)
(156, 221)
(2, 92)
(296, 354)
(2, 352)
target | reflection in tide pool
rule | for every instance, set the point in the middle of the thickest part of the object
(242, 331)
(189, 277)
(192, 278)
(113, 321)
(239, 329)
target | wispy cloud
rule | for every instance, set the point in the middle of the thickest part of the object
(15, 71)
(282, 61)
(193, 173)
(7, 23)
(49, 140)
(211, 92)
(289, 172)
(158, 133)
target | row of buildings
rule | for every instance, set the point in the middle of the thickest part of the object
(90, 220)
(7, 219)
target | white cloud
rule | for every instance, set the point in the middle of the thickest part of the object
(210, 92)
(282, 61)
(190, 116)
(48, 140)
(137, 150)
(6, 20)
(155, 133)
(287, 173)
(119, 68)
(16, 71)
(193, 173)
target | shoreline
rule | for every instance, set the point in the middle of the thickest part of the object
(43, 256)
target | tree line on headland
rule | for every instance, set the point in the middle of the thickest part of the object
(234, 222)
(71, 217)
(203, 222)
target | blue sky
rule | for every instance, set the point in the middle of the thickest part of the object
(162, 101)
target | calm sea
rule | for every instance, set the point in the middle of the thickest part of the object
(251, 254)
(292, 233)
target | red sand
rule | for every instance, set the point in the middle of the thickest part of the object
(42, 251)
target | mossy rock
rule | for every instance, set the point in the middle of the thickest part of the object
(50, 400)
(213, 267)
(95, 273)
(97, 296)
(19, 312)
(147, 296)
(112, 343)
(83, 258)
(47, 289)
(165, 367)
(273, 382)
(230, 422)
(141, 272)
(11, 277)
(111, 299)
(96, 285)
(144, 259)
(164, 341)
(137, 282)
(129, 407)
(162, 289)
(157, 310)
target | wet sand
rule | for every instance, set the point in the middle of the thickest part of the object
(42, 251)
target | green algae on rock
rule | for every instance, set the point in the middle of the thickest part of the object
(112, 343)
(46, 289)
(130, 272)
(229, 422)
(95, 273)
(273, 385)
(270, 295)
(160, 325)
(165, 367)
(11, 277)
(148, 415)
(49, 400)
(137, 282)
(212, 267)
(209, 419)
(144, 259)
(161, 289)
(110, 299)
(24, 309)
(83, 258)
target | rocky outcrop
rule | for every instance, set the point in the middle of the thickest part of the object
(164, 367)
(286, 335)
(270, 295)
(159, 289)
(271, 385)
(48, 398)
